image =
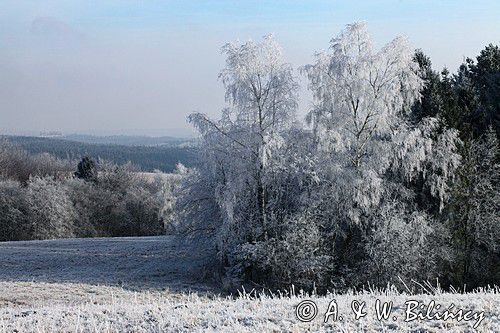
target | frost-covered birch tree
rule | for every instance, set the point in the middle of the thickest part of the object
(318, 208)
(237, 150)
(369, 150)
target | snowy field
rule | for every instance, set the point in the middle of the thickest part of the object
(131, 262)
(155, 284)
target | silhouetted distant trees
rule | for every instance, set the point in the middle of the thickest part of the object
(147, 158)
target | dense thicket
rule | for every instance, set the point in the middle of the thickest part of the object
(42, 197)
(395, 178)
(469, 101)
(148, 158)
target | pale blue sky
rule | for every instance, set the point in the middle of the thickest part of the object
(77, 66)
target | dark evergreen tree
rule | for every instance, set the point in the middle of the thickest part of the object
(486, 77)
(431, 102)
(437, 95)
(469, 102)
(87, 169)
(465, 116)
(477, 87)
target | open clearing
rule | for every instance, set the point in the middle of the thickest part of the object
(132, 262)
(155, 284)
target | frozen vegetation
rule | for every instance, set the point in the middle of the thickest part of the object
(385, 182)
(156, 286)
(164, 261)
(394, 180)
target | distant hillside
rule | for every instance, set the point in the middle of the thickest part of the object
(148, 158)
(125, 140)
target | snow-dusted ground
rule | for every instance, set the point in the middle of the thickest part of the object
(142, 285)
(164, 261)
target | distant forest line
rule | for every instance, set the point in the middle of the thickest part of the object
(147, 158)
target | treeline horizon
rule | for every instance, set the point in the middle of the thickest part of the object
(146, 158)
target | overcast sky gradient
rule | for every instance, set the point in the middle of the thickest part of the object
(108, 67)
